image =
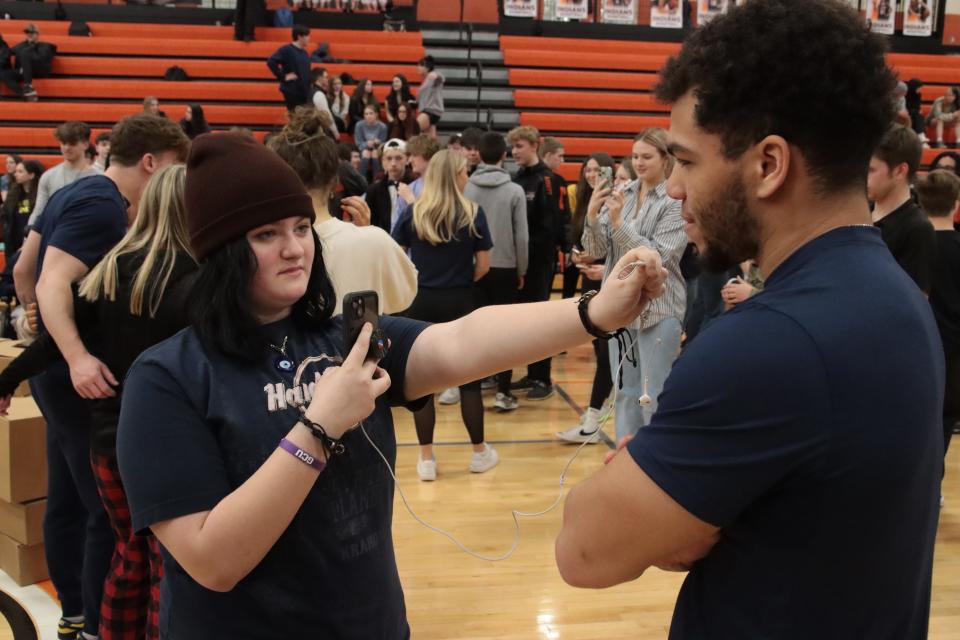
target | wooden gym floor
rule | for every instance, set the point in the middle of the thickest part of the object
(453, 596)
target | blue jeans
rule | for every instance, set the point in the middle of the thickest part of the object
(656, 348)
(77, 536)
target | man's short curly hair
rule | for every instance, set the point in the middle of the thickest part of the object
(807, 70)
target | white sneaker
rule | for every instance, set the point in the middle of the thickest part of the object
(488, 383)
(586, 431)
(485, 461)
(427, 469)
(505, 402)
(450, 396)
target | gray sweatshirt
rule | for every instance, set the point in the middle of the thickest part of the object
(505, 205)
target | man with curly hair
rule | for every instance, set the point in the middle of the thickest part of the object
(797, 447)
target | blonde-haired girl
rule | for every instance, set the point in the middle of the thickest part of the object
(450, 244)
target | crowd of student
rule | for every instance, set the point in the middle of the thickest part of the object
(132, 295)
(251, 247)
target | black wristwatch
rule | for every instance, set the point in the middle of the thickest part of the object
(591, 328)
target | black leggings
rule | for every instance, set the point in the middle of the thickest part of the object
(445, 305)
(499, 286)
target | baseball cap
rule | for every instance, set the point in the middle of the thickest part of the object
(395, 143)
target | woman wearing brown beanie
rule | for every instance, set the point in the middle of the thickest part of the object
(272, 508)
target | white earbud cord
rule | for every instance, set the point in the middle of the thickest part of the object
(513, 512)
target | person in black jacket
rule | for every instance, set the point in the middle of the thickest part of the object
(545, 227)
(134, 298)
(34, 59)
(382, 195)
(290, 64)
(194, 123)
(8, 75)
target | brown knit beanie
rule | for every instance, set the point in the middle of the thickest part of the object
(233, 185)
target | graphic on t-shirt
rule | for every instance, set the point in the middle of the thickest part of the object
(280, 397)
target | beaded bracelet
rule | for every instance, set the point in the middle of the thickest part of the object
(331, 446)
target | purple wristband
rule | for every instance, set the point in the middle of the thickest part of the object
(302, 455)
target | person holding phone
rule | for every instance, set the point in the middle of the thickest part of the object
(595, 174)
(642, 215)
(272, 508)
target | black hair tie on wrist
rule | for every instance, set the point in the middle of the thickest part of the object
(331, 446)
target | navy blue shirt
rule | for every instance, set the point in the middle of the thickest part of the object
(84, 219)
(806, 423)
(444, 266)
(195, 425)
(291, 59)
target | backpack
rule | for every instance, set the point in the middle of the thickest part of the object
(79, 28)
(283, 17)
(176, 74)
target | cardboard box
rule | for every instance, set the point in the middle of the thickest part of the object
(26, 564)
(23, 452)
(10, 349)
(23, 522)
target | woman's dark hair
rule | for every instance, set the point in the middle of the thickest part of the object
(360, 91)
(197, 123)
(360, 100)
(405, 96)
(16, 160)
(226, 323)
(15, 195)
(428, 62)
(585, 191)
(813, 74)
(947, 154)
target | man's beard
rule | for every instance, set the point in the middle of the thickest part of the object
(731, 235)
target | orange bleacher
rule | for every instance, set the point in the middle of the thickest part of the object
(219, 69)
(193, 91)
(104, 77)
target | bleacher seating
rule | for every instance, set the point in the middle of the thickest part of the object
(101, 78)
(592, 94)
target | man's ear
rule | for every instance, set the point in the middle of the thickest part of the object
(902, 170)
(768, 164)
(149, 163)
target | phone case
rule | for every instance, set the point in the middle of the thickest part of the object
(359, 308)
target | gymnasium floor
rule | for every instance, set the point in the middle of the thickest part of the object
(451, 595)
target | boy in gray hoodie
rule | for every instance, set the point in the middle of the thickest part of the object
(505, 205)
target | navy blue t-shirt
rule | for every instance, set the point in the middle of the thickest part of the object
(195, 425)
(85, 219)
(448, 265)
(806, 423)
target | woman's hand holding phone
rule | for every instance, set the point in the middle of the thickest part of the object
(597, 200)
(347, 394)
